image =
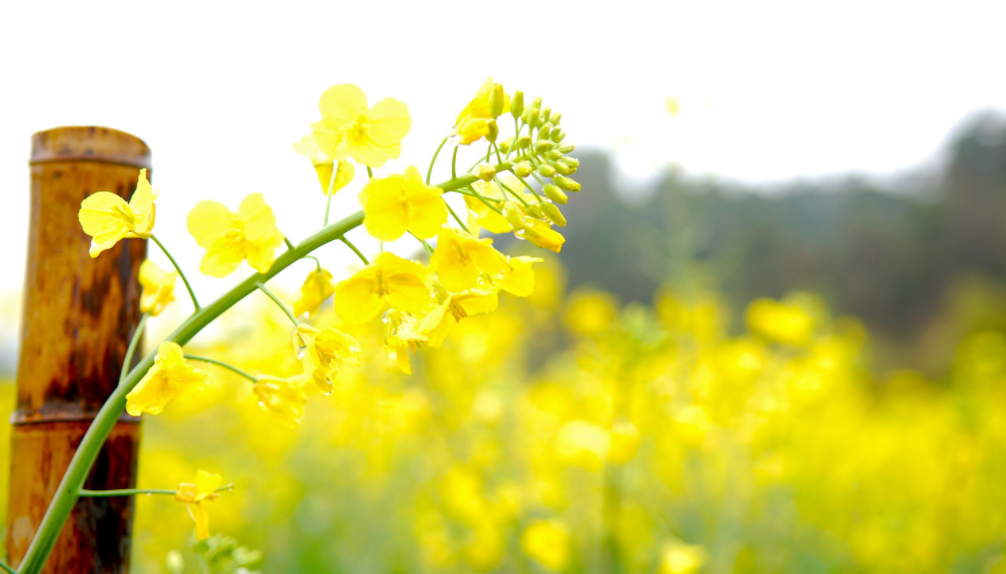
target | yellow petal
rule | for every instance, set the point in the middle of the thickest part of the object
(202, 520)
(101, 217)
(427, 212)
(342, 104)
(142, 204)
(158, 287)
(475, 305)
(258, 218)
(207, 483)
(150, 394)
(520, 280)
(408, 293)
(208, 221)
(317, 288)
(357, 299)
(223, 257)
(367, 152)
(385, 209)
(388, 122)
(437, 324)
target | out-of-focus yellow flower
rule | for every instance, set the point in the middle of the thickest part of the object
(168, 378)
(624, 442)
(437, 323)
(780, 322)
(229, 238)
(398, 203)
(680, 558)
(389, 280)
(590, 312)
(317, 288)
(401, 334)
(107, 218)
(324, 165)
(194, 495)
(479, 106)
(583, 444)
(323, 352)
(284, 397)
(485, 549)
(348, 128)
(541, 234)
(461, 260)
(692, 423)
(547, 542)
(158, 287)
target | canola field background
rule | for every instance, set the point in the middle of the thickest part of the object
(570, 433)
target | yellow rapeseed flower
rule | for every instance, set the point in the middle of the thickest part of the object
(461, 260)
(438, 323)
(470, 130)
(590, 312)
(169, 377)
(229, 238)
(519, 280)
(107, 218)
(389, 280)
(398, 203)
(547, 542)
(348, 128)
(317, 288)
(323, 352)
(780, 321)
(158, 287)
(583, 444)
(195, 494)
(541, 234)
(284, 397)
(401, 334)
(324, 164)
(479, 106)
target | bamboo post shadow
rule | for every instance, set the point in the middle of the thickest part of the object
(78, 317)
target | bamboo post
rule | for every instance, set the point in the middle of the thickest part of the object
(79, 315)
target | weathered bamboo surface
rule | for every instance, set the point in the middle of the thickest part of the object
(79, 315)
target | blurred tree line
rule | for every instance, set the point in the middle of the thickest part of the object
(921, 258)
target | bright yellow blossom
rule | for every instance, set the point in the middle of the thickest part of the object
(470, 130)
(194, 495)
(398, 203)
(681, 558)
(229, 238)
(324, 165)
(348, 128)
(389, 280)
(479, 106)
(158, 287)
(168, 378)
(323, 352)
(780, 321)
(400, 335)
(547, 542)
(285, 398)
(107, 218)
(460, 260)
(583, 444)
(519, 280)
(438, 323)
(317, 288)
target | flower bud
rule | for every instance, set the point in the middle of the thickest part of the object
(570, 161)
(524, 142)
(553, 214)
(536, 103)
(513, 216)
(517, 104)
(557, 135)
(543, 146)
(560, 168)
(546, 170)
(554, 117)
(485, 172)
(544, 131)
(533, 117)
(566, 183)
(554, 193)
(494, 131)
(496, 100)
(522, 169)
(534, 211)
(568, 148)
(505, 145)
(553, 154)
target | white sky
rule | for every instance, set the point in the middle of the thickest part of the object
(769, 90)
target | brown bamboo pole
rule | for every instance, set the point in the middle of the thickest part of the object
(78, 317)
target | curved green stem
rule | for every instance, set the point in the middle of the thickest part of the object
(429, 172)
(181, 273)
(68, 491)
(84, 493)
(359, 253)
(472, 192)
(426, 246)
(456, 218)
(227, 366)
(454, 163)
(127, 362)
(7, 568)
(287, 241)
(275, 299)
(512, 192)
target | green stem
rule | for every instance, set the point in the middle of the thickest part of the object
(287, 241)
(68, 491)
(359, 254)
(275, 299)
(84, 493)
(7, 568)
(331, 191)
(473, 193)
(454, 163)
(512, 192)
(227, 366)
(429, 172)
(181, 273)
(456, 218)
(131, 350)
(370, 172)
(426, 246)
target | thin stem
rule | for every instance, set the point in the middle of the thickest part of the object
(516, 135)
(429, 172)
(317, 262)
(456, 218)
(331, 191)
(499, 157)
(84, 493)
(181, 273)
(286, 240)
(473, 193)
(454, 163)
(350, 245)
(512, 192)
(489, 151)
(227, 366)
(275, 299)
(127, 362)
(527, 185)
(426, 246)
(370, 172)
(7, 568)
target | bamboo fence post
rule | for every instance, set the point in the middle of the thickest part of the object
(79, 315)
